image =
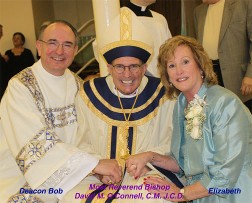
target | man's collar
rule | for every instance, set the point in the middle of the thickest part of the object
(140, 10)
(121, 95)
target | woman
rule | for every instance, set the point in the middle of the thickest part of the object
(212, 134)
(18, 57)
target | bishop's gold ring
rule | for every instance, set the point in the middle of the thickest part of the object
(110, 182)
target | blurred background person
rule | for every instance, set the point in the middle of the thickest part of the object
(18, 58)
(157, 27)
(224, 28)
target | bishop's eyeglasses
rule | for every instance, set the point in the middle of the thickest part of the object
(54, 45)
(133, 68)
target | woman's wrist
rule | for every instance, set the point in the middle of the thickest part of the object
(151, 157)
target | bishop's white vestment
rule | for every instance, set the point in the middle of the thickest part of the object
(103, 127)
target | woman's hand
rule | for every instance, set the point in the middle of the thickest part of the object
(157, 185)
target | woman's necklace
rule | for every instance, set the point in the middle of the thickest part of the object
(126, 127)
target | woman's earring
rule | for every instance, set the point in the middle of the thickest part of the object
(170, 83)
(202, 74)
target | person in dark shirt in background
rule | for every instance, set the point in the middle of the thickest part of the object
(18, 58)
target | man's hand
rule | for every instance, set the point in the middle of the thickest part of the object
(109, 168)
(106, 179)
(132, 170)
(246, 87)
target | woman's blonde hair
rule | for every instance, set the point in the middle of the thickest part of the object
(167, 50)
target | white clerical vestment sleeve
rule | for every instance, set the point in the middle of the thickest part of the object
(72, 172)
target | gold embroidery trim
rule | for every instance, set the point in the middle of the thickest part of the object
(110, 121)
(121, 144)
(62, 116)
(125, 25)
(119, 110)
(36, 148)
(133, 150)
(109, 141)
(122, 43)
(126, 36)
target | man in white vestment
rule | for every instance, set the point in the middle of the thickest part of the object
(155, 24)
(39, 154)
(124, 113)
